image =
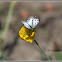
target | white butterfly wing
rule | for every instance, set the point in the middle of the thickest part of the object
(35, 22)
(26, 24)
(30, 20)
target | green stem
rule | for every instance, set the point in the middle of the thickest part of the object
(12, 4)
(8, 20)
(42, 50)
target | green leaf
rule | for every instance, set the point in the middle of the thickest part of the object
(58, 55)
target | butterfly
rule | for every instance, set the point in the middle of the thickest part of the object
(31, 22)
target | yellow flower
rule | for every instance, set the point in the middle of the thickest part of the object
(27, 34)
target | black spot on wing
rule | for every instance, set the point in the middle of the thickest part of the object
(37, 18)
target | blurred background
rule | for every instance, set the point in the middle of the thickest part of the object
(48, 33)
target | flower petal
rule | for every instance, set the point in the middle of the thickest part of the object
(27, 34)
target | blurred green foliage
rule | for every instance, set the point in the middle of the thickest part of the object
(58, 55)
(1, 10)
(0, 26)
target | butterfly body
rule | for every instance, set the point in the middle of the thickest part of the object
(31, 22)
